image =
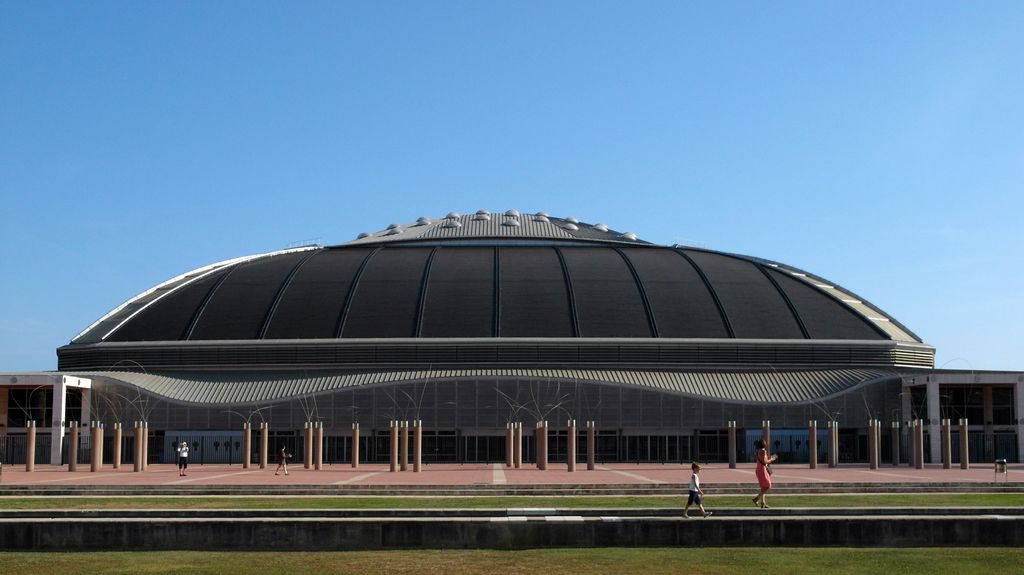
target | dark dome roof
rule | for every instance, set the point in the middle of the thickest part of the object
(488, 275)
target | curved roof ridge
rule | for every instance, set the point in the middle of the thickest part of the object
(886, 324)
(133, 306)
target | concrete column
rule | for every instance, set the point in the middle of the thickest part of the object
(872, 445)
(812, 444)
(947, 456)
(912, 442)
(570, 460)
(393, 444)
(731, 426)
(145, 445)
(143, 439)
(1018, 400)
(30, 445)
(318, 451)
(73, 446)
(911, 451)
(878, 443)
(403, 445)
(509, 449)
(264, 436)
(307, 445)
(934, 448)
(591, 444)
(137, 446)
(835, 441)
(100, 442)
(538, 448)
(830, 449)
(355, 446)
(116, 456)
(542, 445)
(246, 445)
(919, 444)
(94, 452)
(59, 410)
(895, 439)
(965, 457)
(417, 445)
(518, 444)
(766, 434)
(547, 443)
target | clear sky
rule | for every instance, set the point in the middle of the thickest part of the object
(877, 144)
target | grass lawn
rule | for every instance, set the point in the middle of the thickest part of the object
(841, 561)
(648, 502)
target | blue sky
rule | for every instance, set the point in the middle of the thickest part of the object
(880, 146)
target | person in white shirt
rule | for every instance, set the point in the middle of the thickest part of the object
(182, 458)
(696, 493)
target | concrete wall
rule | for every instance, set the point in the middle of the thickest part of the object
(503, 533)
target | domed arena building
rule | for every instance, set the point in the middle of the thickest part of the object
(470, 322)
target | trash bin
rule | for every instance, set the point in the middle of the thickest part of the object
(1001, 468)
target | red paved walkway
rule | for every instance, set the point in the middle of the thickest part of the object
(493, 474)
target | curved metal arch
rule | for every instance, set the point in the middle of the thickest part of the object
(182, 280)
(187, 335)
(809, 279)
(422, 303)
(652, 324)
(570, 293)
(785, 298)
(711, 290)
(343, 316)
(269, 317)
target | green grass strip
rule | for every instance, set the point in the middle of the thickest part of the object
(653, 561)
(866, 500)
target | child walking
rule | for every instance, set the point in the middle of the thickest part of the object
(696, 493)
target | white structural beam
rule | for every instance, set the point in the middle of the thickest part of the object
(60, 402)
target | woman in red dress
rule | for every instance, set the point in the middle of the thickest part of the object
(764, 479)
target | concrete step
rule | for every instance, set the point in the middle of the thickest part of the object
(523, 512)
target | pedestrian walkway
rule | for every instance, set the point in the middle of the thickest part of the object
(470, 474)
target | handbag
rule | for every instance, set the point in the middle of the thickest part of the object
(768, 468)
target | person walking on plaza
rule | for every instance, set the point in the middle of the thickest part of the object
(182, 459)
(696, 493)
(763, 472)
(282, 460)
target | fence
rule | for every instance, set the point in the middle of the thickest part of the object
(12, 449)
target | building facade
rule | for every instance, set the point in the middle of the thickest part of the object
(471, 322)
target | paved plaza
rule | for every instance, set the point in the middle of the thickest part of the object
(498, 474)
